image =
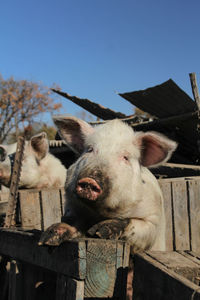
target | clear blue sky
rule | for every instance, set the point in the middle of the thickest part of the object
(93, 48)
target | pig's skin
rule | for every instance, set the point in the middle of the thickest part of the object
(40, 169)
(124, 190)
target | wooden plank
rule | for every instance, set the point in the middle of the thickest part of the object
(171, 260)
(4, 196)
(12, 281)
(194, 195)
(26, 282)
(51, 207)
(61, 287)
(179, 179)
(195, 254)
(128, 274)
(4, 278)
(166, 191)
(153, 280)
(191, 256)
(101, 269)
(68, 259)
(3, 207)
(177, 262)
(122, 270)
(30, 209)
(169, 170)
(35, 283)
(69, 288)
(103, 265)
(195, 91)
(75, 289)
(181, 218)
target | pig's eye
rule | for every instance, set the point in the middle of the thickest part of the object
(2, 154)
(89, 149)
(125, 158)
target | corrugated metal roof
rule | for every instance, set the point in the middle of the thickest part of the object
(94, 108)
(176, 114)
(164, 100)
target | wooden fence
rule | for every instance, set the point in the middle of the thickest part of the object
(167, 275)
(161, 273)
(182, 211)
(40, 209)
(76, 270)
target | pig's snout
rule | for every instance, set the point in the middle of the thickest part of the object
(88, 188)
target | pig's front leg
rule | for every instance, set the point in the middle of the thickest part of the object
(139, 233)
(57, 234)
(109, 229)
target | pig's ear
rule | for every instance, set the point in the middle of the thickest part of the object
(40, 145)
(155, 148)
(73, 131)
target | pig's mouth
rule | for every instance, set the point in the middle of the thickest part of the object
(88, 188)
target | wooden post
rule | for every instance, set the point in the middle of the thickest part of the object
(10, 220)
(195, 92)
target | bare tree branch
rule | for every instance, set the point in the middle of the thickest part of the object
(21, 101)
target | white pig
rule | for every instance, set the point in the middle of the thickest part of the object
(110, 193)
(40, 169)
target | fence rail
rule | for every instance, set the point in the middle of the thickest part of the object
(40, 209)
(86, 268)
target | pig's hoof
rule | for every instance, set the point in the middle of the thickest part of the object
(109, 229)
(57, 234)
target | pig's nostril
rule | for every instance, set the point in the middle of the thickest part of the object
(84, 185)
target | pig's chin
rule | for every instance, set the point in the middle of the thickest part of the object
(87, 188)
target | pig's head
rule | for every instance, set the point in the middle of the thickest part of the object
(36, 163)
(112, 156)
(36, 149)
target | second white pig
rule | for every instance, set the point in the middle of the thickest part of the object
(40, 169)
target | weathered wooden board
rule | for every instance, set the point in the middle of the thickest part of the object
(30, 209)
(68, 259)
(51, 207)
(34, 283)
(41, 208)
(166, 188)
(155, 279)
(80, 269)
(3, 206)
(69, 288)
(4, 196)
(194, 196)
(181, 217)
(178, 262)
(185, 212)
